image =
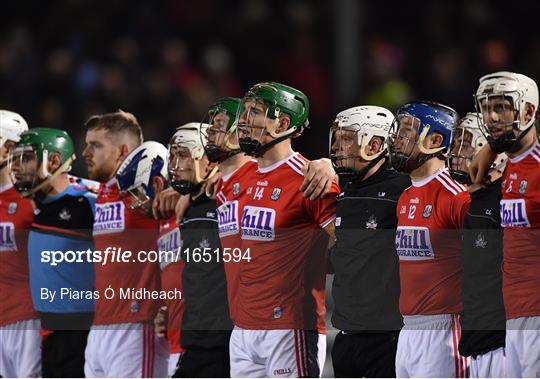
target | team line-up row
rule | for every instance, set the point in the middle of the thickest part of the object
(459, 196)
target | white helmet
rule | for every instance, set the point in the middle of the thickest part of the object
(367, 122)
(471, 140)
(519, 87)
(471, 123)
(139, 168)
(193, 136)
(11, 126)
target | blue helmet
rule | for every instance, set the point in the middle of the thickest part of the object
(139, 168)
(427, 118)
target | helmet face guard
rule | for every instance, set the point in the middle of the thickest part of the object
(220, 139)
(252, 127)
(183, 170)
(24, 167)
(402, 140)
(462, 151)
(184, 159)
(343, 149)
(499, 122)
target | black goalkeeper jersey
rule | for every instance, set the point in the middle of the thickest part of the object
(364, 260)
(206, 322)
(483, 318)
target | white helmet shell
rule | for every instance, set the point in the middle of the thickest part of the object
(143, 163)
(471, 123)
(369, 120)
(519, 87)
(12, 125)
(189, 135)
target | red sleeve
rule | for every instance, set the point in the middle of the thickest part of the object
(460, 206)
(323, 210)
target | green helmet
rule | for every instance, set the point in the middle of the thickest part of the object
(282, 98)
(218, 138)
(278, 98)
(50, 140)
(36, 145)
(229, 106)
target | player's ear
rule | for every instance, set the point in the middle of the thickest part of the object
(374, 146)
(54, 162)
(158, 184)
(528, 113)
(123, 151)
(435, 140)
(284, 122)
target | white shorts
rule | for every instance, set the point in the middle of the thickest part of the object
(523, 347)
(125, 350)
(173, 362)
(489, 365)
(428, 347)
(20, 349)
(285, 353)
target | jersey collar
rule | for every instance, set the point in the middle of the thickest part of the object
(6, 187)
(272, 167)
(526, 153)
(425, 181)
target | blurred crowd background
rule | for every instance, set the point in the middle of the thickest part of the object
(166, 61)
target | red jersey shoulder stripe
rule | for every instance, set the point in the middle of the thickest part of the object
(448, 185)
(449, 178)
(536, 152)
(300, 159)
(295, 168)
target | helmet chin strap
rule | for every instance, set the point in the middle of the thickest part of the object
(363, 154)
(420, 143)
(278, 137)
(43, 172)
(198, 176)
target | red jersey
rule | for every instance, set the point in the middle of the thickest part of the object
(116, 226)
(171, 264)
(520, 217)
(228, 191)
(16, 216)
(428, 243)
(283, 285)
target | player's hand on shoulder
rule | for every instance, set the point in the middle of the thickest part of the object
(160, 322)
(164, 204)
(181, 207)
(479, 168)
(318, 178)
(210, 187)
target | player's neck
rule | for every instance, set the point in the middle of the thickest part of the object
(525, 143)
(428, 168)
(4, 177)
(374, 169)
(58, 185)
(231, 164)
(277, 153)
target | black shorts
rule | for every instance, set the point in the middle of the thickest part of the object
(62, 354)
(370, 354)
(204, 363)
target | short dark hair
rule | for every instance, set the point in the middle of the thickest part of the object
(117, 123)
